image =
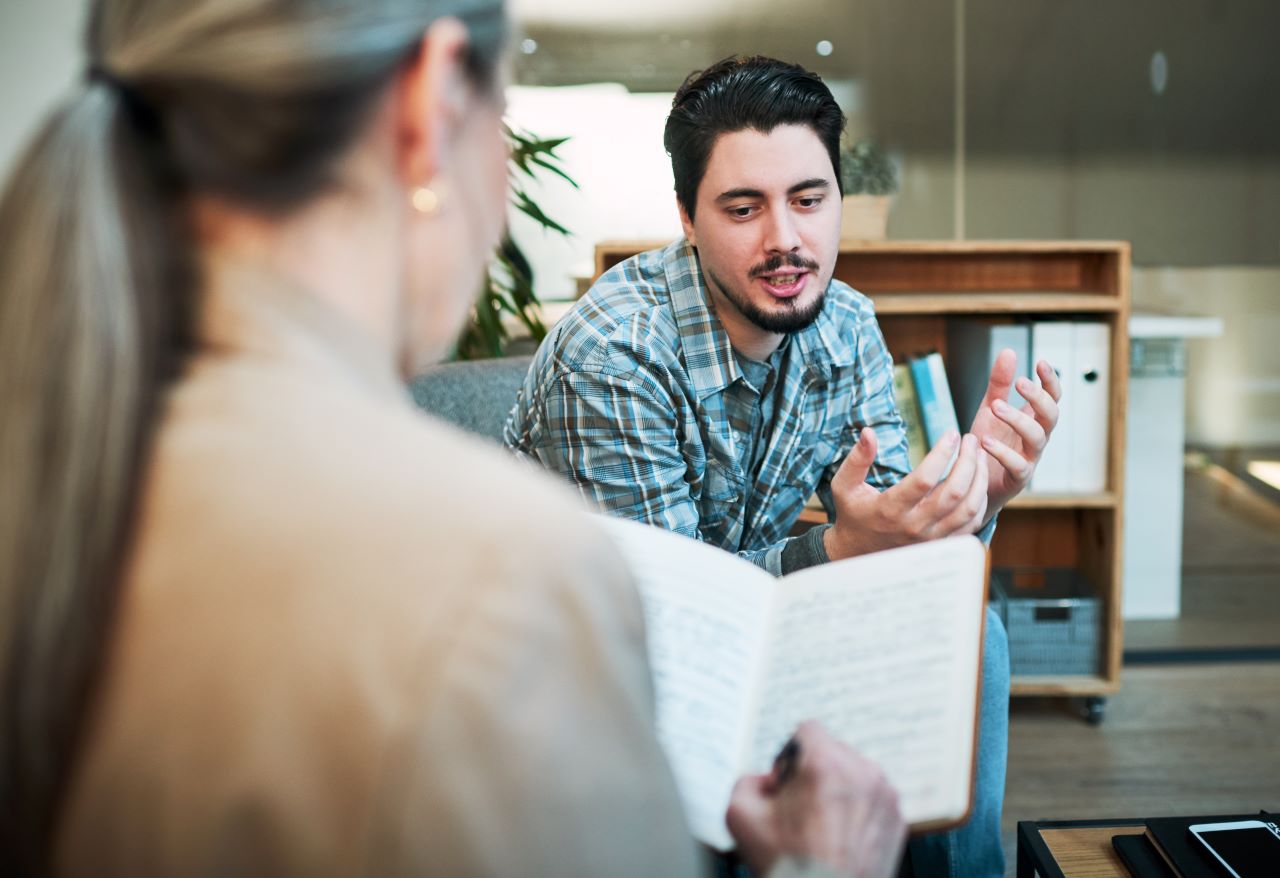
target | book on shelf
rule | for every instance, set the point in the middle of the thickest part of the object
(937, 409)
(972, 348)
(884, 650)
(904, 393)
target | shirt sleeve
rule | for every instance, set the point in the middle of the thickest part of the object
(617, 440)
(874, 406)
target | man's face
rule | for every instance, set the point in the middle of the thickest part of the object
(767, 229)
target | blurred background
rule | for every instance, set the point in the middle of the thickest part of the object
(1145, 121)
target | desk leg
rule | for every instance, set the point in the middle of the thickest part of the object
(1026, 868)
(1026, 861)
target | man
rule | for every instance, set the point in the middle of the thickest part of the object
(711, 386)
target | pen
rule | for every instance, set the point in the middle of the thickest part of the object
(784, 764)
(728, 864)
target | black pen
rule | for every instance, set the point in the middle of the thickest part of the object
(784, 768)
(784, 764)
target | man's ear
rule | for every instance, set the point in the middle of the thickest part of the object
(686, 223)
(432, 102)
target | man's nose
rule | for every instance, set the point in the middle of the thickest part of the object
(781, 235)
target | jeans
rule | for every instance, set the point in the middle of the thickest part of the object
(973, 849)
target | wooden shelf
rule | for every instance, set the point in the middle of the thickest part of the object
(918, 288)
(1031, 500)
(1063, 685)
(994, 302)
(1104, 500)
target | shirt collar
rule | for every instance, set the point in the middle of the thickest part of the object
(709, 355)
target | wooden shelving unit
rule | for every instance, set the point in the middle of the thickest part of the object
(918, 287)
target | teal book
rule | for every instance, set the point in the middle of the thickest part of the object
(937, 410)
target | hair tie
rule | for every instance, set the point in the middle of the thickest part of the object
(143, 115)
(98, 73)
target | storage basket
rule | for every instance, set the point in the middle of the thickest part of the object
(1053, 619)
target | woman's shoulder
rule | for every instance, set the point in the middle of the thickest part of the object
(340, 472)
(340, 521)
(329, 576)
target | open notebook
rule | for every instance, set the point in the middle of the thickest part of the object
(885, 650)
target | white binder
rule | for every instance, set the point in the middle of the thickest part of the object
(1089, 389)
(1055, 342)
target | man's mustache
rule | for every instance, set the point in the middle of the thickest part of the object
(773, 263)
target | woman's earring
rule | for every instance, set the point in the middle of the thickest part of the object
(425, 200)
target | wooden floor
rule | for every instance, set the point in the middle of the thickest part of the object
(1178, 739)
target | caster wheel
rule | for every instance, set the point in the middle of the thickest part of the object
(1094, 710)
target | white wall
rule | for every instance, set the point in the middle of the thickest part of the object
(615, 155)
(40, 58)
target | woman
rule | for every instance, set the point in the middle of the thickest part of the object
(265, 619)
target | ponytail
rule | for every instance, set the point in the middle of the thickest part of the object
(253, 102)
(94, 302)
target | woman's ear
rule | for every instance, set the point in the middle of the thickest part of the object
(432, 102)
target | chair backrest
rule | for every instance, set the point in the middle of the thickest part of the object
(476, 395)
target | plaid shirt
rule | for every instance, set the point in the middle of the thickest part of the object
(636, 396)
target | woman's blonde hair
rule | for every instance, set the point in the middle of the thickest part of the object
(252, 100)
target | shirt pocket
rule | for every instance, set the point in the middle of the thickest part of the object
(722, 493)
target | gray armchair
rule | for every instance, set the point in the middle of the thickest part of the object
(476, 395)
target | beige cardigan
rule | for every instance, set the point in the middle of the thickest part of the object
(354, 642)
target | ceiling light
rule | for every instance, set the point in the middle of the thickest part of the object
(1159, 73)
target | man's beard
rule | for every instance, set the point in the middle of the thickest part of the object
(790, 317)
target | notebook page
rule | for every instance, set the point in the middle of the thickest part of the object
(885, 651)
(706, 614)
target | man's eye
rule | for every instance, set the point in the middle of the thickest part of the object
(809, 201)
(741, 212)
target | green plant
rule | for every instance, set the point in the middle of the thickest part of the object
(866, 169)
(508, 282)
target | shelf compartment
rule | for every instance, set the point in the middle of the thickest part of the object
(980, 267)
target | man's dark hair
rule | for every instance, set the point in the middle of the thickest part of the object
(739, 93)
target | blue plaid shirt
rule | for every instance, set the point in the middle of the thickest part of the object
(636, 396)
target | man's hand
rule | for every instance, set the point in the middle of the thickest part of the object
(835, 807)
(1015, 438)
(917, 509)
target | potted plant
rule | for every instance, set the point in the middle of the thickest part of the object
(508, 284)
(869, 179)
